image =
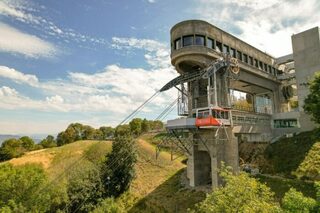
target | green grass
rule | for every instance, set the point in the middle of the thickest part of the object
(282, 185)
(287, 155)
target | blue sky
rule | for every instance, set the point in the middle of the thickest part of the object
(95, 61)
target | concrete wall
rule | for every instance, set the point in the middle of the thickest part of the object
(306, 54)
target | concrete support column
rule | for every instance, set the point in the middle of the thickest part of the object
(231, 151)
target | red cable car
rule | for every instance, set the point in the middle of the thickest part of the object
(213, 116)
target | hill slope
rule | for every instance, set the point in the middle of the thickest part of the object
(157, 184)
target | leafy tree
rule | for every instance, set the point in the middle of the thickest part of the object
(27, 143)
(145, 126)
(88, 133)
(240, 194)
(107, 132)
(48, 142)
(119, 171)
(156, 125)
(109, 206)
(312, 102)
(135, 126)
(295, 202)
(122, 131)
(84, 187)
(11, 148)
(20, 188)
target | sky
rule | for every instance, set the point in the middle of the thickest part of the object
(95, 61)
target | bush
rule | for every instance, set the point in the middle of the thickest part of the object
(240, 194)
(295, 202)
(109, 206)
(11, 148)
(21, 189)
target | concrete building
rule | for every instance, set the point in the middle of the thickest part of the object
(259, 104)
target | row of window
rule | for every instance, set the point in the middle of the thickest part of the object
(215, 113)
(219, 47)
(250, 120)
(285, 123)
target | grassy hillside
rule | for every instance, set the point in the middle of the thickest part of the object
(296, 156)
(156, 187)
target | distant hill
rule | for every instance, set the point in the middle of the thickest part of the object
(5, 137)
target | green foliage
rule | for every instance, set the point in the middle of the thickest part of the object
(11, 148)
(20, 188)
(123, 131)
(107, 132)
(84, 187)
(312, 102)
(48, 142)
(109, 206)
(240, 194)
(145, 126)
(135, 126)
(27, 143)
(119, 170)
(295, 202)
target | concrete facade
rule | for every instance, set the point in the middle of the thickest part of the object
(270, 84)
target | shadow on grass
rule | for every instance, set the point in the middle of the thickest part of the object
(170, 196)
(285, 156)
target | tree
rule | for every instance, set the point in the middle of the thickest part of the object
(294, 201)
(27, 143)
(240, 194)
(145, 126)
(107, 132)
(48, 142)
(11, 148)
(312, 102)
(122, 131)
(135, 126)
(118, 171)
(20, 188)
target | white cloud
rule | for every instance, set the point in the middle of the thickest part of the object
(15, 41)
(151, 1)
(267, 25)
(18, 77)
(114, 89)
(26, 12)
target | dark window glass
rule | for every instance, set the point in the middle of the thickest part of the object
(260, 65)
(177, 44)
(199, 40)
(274, 71)
(245, 58)
(269, 69)
(218, 46)
(250, 60)
(239, 55)
(210, 43)
(225, 49)
(265, 67)
(256, 63)
(187, 40)
(233, 52)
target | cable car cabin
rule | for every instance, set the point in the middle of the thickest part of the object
(210, 117)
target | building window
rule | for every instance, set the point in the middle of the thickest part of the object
(269, 69)
(239, 55)
(250, 60)
(218, 46)
(285, 123)
(199, 40)
(274, 71)
(177, 44)
(210, 43)
(256, 63)
(260, 65)
(265, 67)
(225, 49)
(233, 52)
(187, 40)
(245, 58)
